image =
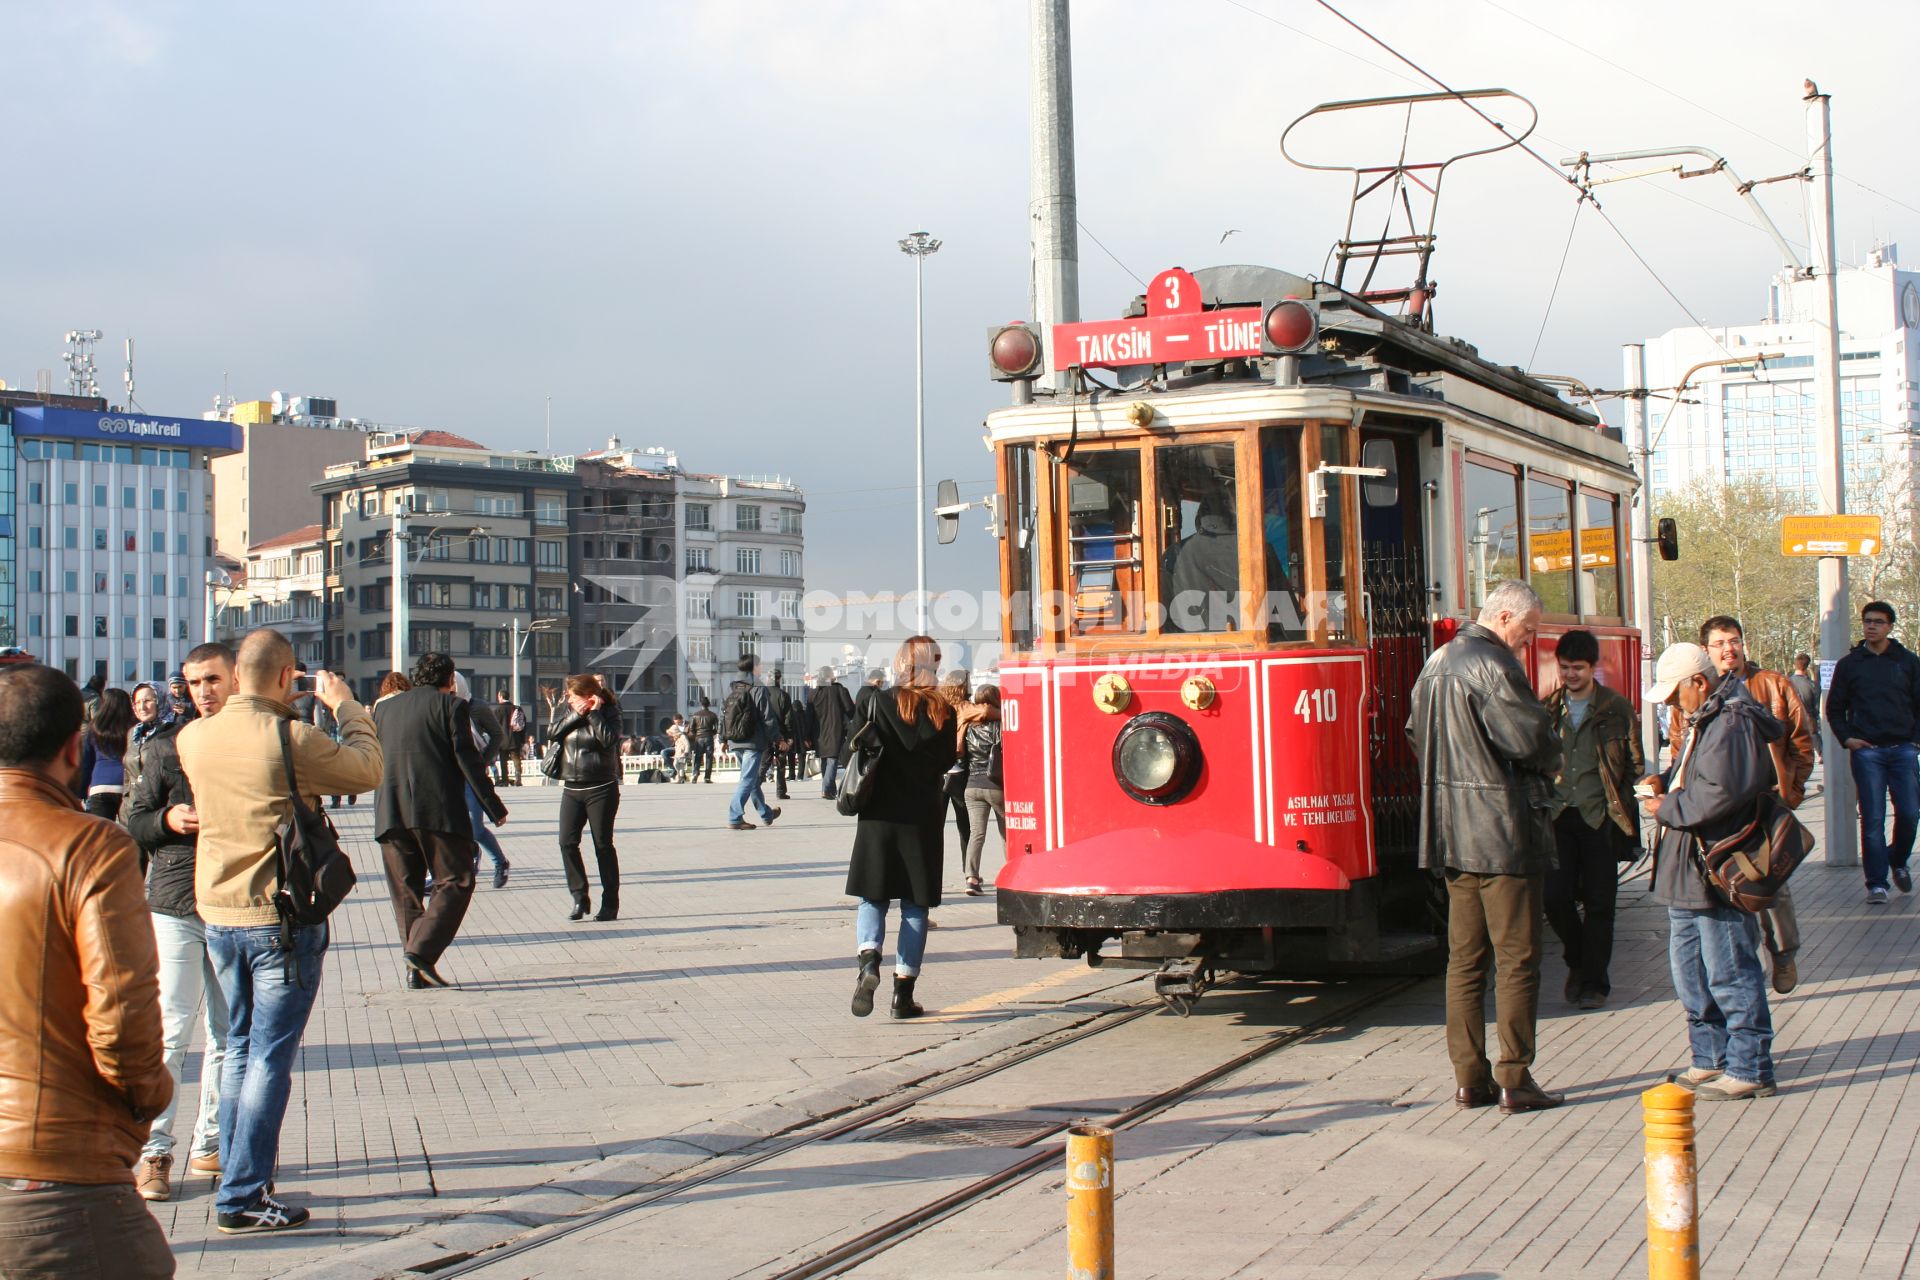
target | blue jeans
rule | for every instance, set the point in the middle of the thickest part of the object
(829, 774)
(485, 838)
(1715, 956)
(870, 930)
(267, 1006)
(1878, 772)
(753, 766)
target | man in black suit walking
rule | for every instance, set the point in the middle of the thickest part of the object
(420, 816)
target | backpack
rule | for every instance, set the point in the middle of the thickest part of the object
(740, 718)
(315, 875)
(517, 720)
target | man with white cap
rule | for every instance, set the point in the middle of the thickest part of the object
(1721, 766)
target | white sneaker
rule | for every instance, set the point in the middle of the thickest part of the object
(1876, 896)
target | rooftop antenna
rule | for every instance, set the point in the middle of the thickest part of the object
(82, 379)
(128, 377)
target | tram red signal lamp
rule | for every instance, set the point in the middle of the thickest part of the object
(1288, 327)
(1015, 352)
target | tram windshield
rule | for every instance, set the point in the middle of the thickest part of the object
(1103, 542)
(1200, 530)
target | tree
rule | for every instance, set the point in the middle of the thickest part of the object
(1730, 562)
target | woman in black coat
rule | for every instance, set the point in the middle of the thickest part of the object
(897, 846)
(832, 711)
(587, 738)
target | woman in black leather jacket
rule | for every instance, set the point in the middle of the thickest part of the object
(588, 740)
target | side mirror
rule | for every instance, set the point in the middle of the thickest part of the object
(946, 511)
(1667, 538)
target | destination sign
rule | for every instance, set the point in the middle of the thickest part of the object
(1177, 328)
(1830, 536)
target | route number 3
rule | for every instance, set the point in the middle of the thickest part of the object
(1173, 293)
(1316, 706)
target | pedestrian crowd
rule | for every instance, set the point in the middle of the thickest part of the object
(159, 868)
(1531, 807)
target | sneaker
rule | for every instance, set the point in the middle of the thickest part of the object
(205, 1162)
(1786, 974)
(1694, 1077)
(1876, 896)
(268, 1215)
(1903, 879)
(500, 874)
(1728, 1089)
(153, 1177)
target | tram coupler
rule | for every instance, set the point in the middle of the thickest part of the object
(1180, 982)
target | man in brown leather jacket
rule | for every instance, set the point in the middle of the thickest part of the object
(82, 1071)
(1725, 643)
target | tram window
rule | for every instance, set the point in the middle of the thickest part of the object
(1280, 512)
(1021, 601)
(1103, 541)
(1599, 555)
(1200, 537)
(1489, 506)
(1550, 543)
(1334, 536)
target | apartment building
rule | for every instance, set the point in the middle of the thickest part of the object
(265, 489)
(282, 585)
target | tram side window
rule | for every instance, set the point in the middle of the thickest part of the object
(1599, 555)
(1280, 512)
(1490, 510)
(1550, 542)
(1200, 534)
(1021, 602)
(1333, 453)
(1103, 541)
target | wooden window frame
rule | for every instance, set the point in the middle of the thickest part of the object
(1622, 562)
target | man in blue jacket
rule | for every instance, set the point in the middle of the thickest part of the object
(1874, 708)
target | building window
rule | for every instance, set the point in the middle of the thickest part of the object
(99, 583)
(789, 564)
(100, 626)
(520, 597)
(180, 501)
(126, 584)
(157, 499)
(71, 494)
(126, 627)
(699, 648)
(790, 605)
(699, 559)
(70, 581)
(33, 537)
(746, 560)
(180, 587)
(749, 643)
(34, 581)
(553, 553)
(99, 495)
(789, 520)
(550, 644)
(552, 600)
(699, 515)
(33, 625)
(746, 604)
(70, 536)
(699, 604)
(72, 624)
(159, 628)
(126, 497)
(746, 518)
(793, 650)
(35, 493)
(159, 586)
(496, 504)
(551, 511)
(483, 595)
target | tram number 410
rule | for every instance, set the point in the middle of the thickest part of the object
(1317, 706)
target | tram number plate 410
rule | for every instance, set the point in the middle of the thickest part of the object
(1317, 706)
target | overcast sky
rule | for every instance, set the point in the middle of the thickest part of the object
(679, 221)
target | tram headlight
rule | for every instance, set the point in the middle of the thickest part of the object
(1156, 758)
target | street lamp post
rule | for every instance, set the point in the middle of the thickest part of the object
(918, 246)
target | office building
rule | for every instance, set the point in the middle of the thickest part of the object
(266, 488)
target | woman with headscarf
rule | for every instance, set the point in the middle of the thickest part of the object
(148, 720)
(897, 844)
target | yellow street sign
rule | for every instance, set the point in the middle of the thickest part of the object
(1552, 551)
(1830, 535)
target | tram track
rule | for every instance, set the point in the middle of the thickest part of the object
(1044, 1147)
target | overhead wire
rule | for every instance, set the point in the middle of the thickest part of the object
(1110, 253)
(1554, 292)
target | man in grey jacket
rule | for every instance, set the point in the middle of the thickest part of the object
(1488, 752)
(1721, 765)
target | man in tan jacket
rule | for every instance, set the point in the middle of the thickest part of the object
(1725, 642)
(82, 1070)
(240, 787)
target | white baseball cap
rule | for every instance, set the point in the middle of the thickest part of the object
(1678, 663)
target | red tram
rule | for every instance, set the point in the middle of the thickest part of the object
(1221, 585)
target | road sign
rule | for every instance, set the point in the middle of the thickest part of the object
(1830, 536)
(1176, 328)
(1552, 551)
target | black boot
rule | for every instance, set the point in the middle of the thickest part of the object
(579, 909)
(609, 905)
(865, 985)
(903, 1005)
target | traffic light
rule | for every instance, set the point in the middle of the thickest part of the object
(1015, 352)
(1288, 327)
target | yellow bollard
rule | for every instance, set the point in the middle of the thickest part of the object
(1089, 1203)
(1673, 1218)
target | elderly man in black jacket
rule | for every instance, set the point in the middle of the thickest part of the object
(1488, 752)
(420, 816)
(162, 820)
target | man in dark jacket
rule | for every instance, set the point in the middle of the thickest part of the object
(756, 750)
(787, 716)
(1721, 765)
(161, 818)
(832, 710)
(1487, 755)
(1597, 823)
(420, 816)
(1873, 704)
(702, 730)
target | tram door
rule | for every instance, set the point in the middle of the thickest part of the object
(1393, 566)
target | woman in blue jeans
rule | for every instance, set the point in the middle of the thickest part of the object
(898, 845)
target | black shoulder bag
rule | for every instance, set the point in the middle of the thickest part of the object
(857, 776)
(315, 875)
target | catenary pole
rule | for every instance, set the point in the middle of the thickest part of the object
(1634, 361)
(1836, 622)
(398, 558)
(918, 246)
(1054, 206)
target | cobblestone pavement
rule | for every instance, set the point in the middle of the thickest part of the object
(713, 1011)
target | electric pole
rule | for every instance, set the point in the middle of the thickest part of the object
(1054, 206)
(397, 556)
(1641, 444)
